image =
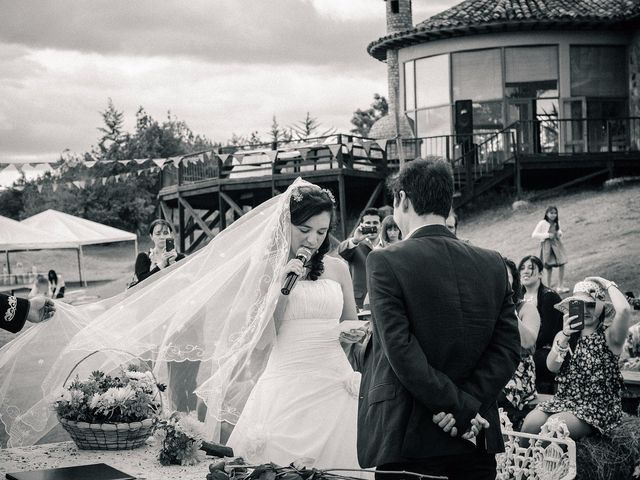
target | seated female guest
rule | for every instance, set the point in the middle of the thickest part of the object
(56, 285)
(521, 389)
(40, 287)
(585, 355)
(389, 232)
(160, 256)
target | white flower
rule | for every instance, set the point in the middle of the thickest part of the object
(135, 375)
(191, 427)
(118, 395)
(95, 400)
(62, 395)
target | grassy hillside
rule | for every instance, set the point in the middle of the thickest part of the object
(601, 233)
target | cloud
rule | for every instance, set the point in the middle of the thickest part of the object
(58, 106)
(275, 31)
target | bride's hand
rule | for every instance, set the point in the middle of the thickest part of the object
(294, 266)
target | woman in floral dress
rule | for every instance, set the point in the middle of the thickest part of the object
(586, 359)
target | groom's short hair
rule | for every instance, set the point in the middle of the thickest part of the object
(429, 185)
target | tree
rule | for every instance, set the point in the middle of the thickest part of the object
(279, 134)
(309, 127)
(363, 120)
(129, 203)
(112, 136)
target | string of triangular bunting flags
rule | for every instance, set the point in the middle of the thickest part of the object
(161, 163)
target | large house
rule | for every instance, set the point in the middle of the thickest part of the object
(563, 73)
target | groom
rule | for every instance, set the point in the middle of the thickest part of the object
(445, 341)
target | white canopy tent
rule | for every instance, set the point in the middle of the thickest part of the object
(16, 237)
(76, 232)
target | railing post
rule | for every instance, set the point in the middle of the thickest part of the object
(517, 172)
(339, 155)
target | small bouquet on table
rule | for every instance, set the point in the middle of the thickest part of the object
(106, 412)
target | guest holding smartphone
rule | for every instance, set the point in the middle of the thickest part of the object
(162, 255)
(356, 249)
(585, 355)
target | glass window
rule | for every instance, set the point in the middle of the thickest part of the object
(477, 75)
(598, 71)
(409, 87)
(434, 121)
(432, 81)
(487, 116)
(539, 89)
(531, 64)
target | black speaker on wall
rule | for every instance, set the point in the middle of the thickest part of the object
(464, 120)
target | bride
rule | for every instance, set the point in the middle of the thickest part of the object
(270, 365)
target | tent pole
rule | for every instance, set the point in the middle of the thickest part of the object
(81, 266)
(135, 243)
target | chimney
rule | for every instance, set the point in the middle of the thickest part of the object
(399, 16)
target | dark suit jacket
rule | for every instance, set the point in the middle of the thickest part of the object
(445, 339)
(357, 259)
(550, 325)
(13, 312)
(143, 267)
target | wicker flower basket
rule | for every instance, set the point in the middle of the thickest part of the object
(108, 436)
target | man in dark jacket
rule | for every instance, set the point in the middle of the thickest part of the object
(355, 250)
(445, 341)
(14, 311)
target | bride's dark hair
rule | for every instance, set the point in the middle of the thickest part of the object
(307, 202)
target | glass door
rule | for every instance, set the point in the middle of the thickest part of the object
(521, 110)
(573, 126)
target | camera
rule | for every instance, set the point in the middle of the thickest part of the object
(633, 301)
(368, 230)
(577, 307)
(170, 244)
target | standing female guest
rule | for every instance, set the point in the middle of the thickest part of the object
(544, 299)
(552, 251)
(389, 232)
(585, 355)
(56, 285)
(521, 389)
(162, 255)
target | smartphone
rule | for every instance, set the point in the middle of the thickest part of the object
(170, 244)
(368, 230)
(577, 307)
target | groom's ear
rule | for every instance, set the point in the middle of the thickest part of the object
(404, 201)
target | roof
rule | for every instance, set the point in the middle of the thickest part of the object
(479, 16)
(75, 229)
(16, 236)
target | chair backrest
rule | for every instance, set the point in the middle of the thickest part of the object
(550, 455)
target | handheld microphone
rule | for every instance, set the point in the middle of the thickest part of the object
(303, 254)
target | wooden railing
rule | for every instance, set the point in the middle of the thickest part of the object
(297, 156)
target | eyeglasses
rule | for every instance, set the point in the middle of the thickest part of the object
(590, 304)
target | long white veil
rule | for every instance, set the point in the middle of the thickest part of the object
(205, 322)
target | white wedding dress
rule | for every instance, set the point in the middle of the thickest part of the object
(304, 406)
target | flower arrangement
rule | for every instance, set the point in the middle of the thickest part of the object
(182, 437)
(131, 396)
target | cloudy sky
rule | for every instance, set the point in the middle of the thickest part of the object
(223, 66)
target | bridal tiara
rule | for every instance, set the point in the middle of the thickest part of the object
(296, 195)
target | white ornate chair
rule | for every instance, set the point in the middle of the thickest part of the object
(550, 455)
